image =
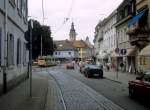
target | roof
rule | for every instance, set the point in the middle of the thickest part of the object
(80, 44)
(64, 45)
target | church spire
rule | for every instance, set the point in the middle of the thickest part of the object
(72, 33)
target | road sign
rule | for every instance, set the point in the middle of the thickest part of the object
(123, 51)
(117, 50)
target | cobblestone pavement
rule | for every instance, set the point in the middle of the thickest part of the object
(78, 96)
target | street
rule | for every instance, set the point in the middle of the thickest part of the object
(114, 91)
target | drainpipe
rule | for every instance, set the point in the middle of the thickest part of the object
(5, 50)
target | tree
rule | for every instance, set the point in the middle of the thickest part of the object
(39, 31)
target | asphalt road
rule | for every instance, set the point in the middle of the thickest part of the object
(116, 92)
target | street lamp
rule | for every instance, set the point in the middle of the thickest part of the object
(43, 24)
(30, 55)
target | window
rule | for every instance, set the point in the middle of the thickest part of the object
(24, 8)
(55, 53)
(19, 2)
(0, 45)
(10, 49)
(18, 51)
(24, 54)
(19, 7)
(13, 2)
(69, 53)
(58, 53)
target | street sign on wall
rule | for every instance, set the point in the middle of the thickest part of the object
(117, 50)
(123, 51)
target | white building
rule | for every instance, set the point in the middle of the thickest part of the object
(13, 52)
(65, 50)
(105, 38)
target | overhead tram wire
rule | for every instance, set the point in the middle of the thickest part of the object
(66, 19)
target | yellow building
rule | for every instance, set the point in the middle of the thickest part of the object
(82, 48)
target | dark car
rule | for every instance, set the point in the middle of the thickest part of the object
(141, 86)
(90, 70)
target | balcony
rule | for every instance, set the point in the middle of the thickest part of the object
(139, 40)
(139, 31)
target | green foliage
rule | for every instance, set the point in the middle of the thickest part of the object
(39, 31)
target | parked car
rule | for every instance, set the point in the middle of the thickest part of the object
(90, 70)
(140, 86)
(70, 65)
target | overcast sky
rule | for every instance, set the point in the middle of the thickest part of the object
(84, 13)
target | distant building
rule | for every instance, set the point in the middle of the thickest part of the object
(72, 48)
(65, 50)
(72, 33)
(13, 51)
(105, 39)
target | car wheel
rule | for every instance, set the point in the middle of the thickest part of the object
(101, 74)
(87, 75)
(131, 93)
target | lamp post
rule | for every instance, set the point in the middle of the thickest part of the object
(5, 50)
(43, 24)
(30, 56)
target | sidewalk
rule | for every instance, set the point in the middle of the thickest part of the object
(19, 99)
(122, 77)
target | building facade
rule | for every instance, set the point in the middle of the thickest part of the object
(65, 50)
(13, 51)
(126, 56)
(105, 39)
(139, 34)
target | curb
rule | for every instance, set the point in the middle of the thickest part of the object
(113, 80)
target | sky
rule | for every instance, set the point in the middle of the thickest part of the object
(84, 13)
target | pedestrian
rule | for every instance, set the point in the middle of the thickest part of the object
(121, 66)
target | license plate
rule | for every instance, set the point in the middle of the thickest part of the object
(96, 74)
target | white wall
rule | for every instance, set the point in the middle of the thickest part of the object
(65, 54)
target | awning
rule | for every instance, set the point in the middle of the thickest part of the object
(145, 51)
(136, 19)
(131, 52)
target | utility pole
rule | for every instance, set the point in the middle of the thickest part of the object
(5, 50)
(42, 24)
(30, 56)
(117, 52)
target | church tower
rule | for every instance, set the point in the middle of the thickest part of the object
(72, 33)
